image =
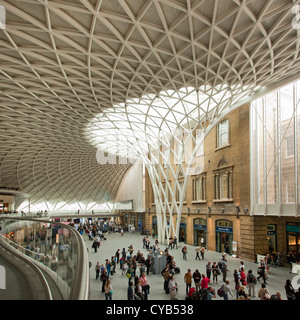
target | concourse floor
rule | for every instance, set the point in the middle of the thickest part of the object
(276, 281)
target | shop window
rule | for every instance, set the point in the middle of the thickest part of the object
(272, 237)
(200, 229)
(154, 225)
(182, 230)
(293, 240)
(224, 236)
(223, 133)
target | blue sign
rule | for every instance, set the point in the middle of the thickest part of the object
(291, 228)
(199, 226)
(224, 229)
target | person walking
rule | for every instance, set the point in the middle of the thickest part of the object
(227, 290)
(210, 293)
(108, 290)
(243, 277)
(95, 245)
(170, 243)
(197, 279)
(202, 251)
(145, 285)
(108, 266)
(208, 269)
(251, 282)
(242, 266)
(188, 280)
(166, 274)
(202, 241)
(104, 277)
(129, 274)
(97, 269)
(216, 271)
(139, 295)
(130, 292)
(123, 266)
(237, 282)
(148, 264)
(124, 253)
(184, 252)
(197, 253)
(223, 265)
(175, 242)
(204, 282)
(262, 271)
(118, 255)
(172, 288)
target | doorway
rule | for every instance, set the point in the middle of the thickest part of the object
(224, 236)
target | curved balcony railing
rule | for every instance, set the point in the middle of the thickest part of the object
(55, 247)
(57, 214)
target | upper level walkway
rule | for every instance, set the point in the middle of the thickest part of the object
(62, 214)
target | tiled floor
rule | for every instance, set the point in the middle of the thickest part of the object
(276, 281)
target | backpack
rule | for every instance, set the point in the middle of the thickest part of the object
(221, 292)
(220, 264)
(252, 279)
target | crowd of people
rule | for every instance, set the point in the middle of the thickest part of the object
(134, 267)
(199, 285)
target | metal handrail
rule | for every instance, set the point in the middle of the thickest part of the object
(23, 257)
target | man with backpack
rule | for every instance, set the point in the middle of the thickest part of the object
(251, 282)
(223, 266)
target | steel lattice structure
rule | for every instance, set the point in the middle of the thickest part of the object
(78, 75)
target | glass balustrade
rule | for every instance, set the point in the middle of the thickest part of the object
(53, 246)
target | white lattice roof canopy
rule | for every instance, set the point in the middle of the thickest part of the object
(74, 74)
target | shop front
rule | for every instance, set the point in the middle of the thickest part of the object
(154, 225)
(182, 230)
(140, 222)
(224, 236)
(272, 237)
(293, 240)
(199, 231)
